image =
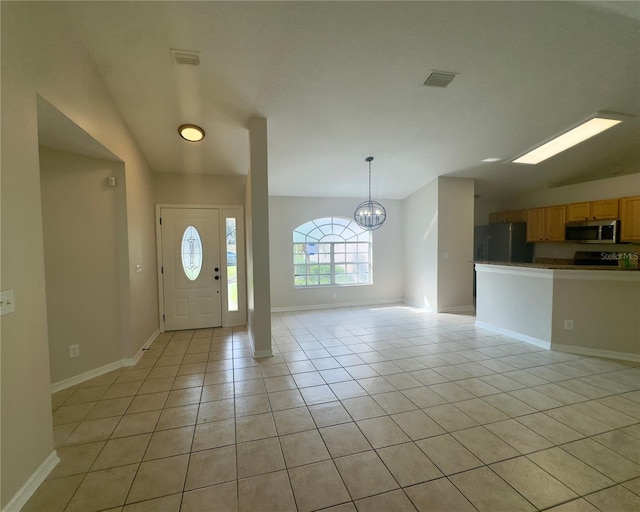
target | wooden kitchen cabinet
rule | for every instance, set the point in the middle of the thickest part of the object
(594, 210)
(510, 216)
(517, 216)
(535, 225)
(630, 219)
(497, 217)
(546, 224)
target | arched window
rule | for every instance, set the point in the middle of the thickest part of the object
(331, 251)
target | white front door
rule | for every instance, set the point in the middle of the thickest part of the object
(191, 268)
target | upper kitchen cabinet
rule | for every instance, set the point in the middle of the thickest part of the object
(630, 219)
(546, 224)
(594, 210)
(510, 216)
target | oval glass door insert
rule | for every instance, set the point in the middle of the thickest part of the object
(191, 253)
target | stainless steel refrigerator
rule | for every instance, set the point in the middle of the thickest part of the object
(502, 242)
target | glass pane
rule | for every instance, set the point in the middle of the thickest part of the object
(348, 234)
(232, 265)
(306, 227)
(337, 252)
(191, 253)
(316, 234)
(300, 281)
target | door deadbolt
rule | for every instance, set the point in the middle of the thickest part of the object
(217, 277)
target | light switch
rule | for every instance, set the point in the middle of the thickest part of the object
(7, 303)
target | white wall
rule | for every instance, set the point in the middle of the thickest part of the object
(40, 55)
(181, 188)
(455, 243)
(604, 307)
(438, 245)
(84, 226)
(287, 213)
(421, 247)
(516, 300)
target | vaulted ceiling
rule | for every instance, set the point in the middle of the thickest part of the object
(340, 81)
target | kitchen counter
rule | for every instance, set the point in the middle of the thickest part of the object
(591, 310)
(555, 266)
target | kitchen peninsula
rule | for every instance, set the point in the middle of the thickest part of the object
(584, 310)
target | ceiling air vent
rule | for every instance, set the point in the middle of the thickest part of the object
(440, 78)
(185, 57)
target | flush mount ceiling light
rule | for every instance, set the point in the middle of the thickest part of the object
(370, 214)
(191, 132)
(593, 126)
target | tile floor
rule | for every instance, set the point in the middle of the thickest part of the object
(361, 409)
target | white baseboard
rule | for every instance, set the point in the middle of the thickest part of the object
(418, 305)
(517, 335)
(459, 309)
(132, 361)
(257, 354)
(594, 352)
(374, 302)
(91, 374)
(31, 485)
(96, 372)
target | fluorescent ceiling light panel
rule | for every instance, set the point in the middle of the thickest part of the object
(568, 139)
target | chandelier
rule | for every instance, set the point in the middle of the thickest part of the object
(370, 214)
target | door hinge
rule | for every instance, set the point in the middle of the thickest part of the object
(161, 221)
(161, 269)
(163, 317)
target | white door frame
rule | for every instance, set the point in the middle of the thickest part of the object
(229, 318)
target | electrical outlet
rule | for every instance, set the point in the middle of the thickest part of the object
(74, 350)
(568, 325)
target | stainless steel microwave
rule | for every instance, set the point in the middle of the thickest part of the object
(592, 231)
